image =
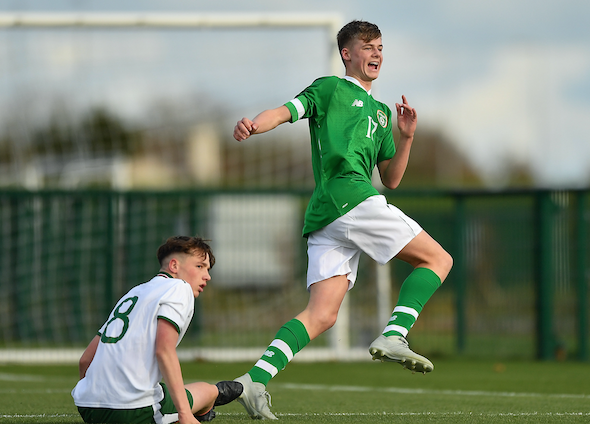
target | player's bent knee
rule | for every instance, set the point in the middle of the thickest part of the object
(327, 321)
(444, 264)
(448, 261)
(324, 321)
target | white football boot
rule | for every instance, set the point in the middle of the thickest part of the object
(396, 349)
(255, 398)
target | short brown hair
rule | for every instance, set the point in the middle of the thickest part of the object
(361, 30)
(187, 245)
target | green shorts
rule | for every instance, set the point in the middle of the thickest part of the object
(135, 416)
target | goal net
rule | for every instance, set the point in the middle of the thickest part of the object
(120, 102)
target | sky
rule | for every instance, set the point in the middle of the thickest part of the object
(506, 81)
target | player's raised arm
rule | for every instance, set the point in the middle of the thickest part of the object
(392, 170)
(263, 122)
(407, 118)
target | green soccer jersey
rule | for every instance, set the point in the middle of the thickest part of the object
(350, 133)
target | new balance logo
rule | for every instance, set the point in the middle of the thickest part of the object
(357, 103)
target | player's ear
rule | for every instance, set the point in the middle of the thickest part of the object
(173, 265)
(345, 53)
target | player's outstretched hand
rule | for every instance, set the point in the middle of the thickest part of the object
(406, 118)
(244, 129)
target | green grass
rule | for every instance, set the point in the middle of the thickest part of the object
(457, 391)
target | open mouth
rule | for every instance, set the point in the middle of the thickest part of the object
(374, 65)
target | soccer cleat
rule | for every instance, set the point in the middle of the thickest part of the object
(396, 349)
(255, 398)
(228, 391)
(206, 417)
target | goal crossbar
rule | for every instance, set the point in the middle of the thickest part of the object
(332, 22)
(170, 20)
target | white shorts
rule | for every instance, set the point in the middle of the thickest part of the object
(374, 227)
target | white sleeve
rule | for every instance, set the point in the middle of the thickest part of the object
(177, 306)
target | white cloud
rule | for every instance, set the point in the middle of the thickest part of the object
(519, 110)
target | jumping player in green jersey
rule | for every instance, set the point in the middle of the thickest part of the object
(351, 133)
(122, 367)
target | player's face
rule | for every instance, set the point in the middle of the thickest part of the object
(194, 269)
(364, 59)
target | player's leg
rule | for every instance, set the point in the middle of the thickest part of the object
(331, 272)
(425, 252)
(431, 266)
(384, 232)
(320, 314)
(207, 396)
(204, 395)
(325, 298)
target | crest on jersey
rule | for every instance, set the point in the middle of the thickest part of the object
(382, 118)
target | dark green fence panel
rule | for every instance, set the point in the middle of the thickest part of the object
(582, 235)
(518, 288)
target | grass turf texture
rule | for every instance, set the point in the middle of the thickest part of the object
(461, 391)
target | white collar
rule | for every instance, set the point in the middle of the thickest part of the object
(355, 81)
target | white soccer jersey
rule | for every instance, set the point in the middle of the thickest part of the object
(124, 373)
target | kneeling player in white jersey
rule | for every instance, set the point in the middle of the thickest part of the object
(122, 368)
(351, 134)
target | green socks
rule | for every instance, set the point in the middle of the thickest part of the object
(413, 295)
(290, 339)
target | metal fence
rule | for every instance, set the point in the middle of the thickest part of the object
(518, 289)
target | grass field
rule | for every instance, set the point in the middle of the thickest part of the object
(459, 391)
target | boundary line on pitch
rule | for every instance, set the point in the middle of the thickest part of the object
(341, 388)
(438, 414)
(401, 390)
(423, 414)
(365, 414)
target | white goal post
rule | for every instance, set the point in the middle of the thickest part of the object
(339, 334)
(181, 20)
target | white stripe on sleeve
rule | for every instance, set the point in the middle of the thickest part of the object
(299, 107)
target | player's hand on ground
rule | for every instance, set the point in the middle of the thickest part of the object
(187, 419)
(406, 118)
(244, 129)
